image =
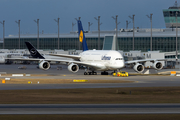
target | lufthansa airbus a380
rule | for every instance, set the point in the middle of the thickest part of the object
(93, 60)
(103, 60)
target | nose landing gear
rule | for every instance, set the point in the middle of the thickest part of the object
(90, 73)
(104, 73)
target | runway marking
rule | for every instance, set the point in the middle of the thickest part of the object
(17, 75)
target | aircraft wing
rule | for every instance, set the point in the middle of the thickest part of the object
(37, 59)
(87, 64)
(94, 65)
(24, 59)
(143, 61)
(75, 57)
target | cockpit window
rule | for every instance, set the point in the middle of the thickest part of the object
(119, 58)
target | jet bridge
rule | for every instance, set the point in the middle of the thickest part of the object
(110, 43)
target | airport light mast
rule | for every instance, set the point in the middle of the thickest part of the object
(37, 21)
(58, 29)
(132, 17)
(18, 22)
(89, 24)
(3, 23)
(77, 20)
(172, 24)
(98, 19)
(127, 23)
(176, 39)
(117, 23)
(150, 17)
(73, 25)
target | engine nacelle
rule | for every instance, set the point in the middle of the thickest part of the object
(73, 68)
(157, 65)
(44, 65)
(138, 68)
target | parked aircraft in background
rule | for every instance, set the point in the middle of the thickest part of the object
(5, 56)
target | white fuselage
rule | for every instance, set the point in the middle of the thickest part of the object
(103, 59)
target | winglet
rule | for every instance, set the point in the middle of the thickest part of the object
(34, 53)
(82, 38)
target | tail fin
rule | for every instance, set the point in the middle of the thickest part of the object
(82, 38)
(34, 53)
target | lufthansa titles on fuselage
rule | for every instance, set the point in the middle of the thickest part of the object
(105, 57)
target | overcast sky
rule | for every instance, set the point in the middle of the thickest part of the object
(67, 10)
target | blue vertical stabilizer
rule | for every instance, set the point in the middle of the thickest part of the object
(34, 53)
(82, 38)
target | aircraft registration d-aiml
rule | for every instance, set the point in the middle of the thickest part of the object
(93, 60)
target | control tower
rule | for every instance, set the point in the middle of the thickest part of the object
(170, 16)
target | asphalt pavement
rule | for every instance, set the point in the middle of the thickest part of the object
(89, 108)
(138, 80)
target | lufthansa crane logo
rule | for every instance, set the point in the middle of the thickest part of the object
(81, 36)
(33, 51)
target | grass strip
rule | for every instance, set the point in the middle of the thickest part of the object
(92, 117)
(92, 96)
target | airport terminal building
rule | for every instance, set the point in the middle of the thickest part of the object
(163, 40)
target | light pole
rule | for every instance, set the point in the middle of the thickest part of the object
(3, 23)
(58, 29)
(73, 25)
(172, 24)
(176, 38)
(117, 23)
(150, 17)
(37, 21)
(18, 22)
(127, 23)
(78, 18)
(132, 17)
(98, 19)
(89, 24)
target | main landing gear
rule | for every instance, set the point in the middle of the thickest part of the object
(104, 73)
(90, 73)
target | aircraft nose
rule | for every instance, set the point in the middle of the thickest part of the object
(120, 64)
(123, 64)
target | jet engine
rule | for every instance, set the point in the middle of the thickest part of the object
(73, 68)
(138, 68)
(157, 65)
(44, 65)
